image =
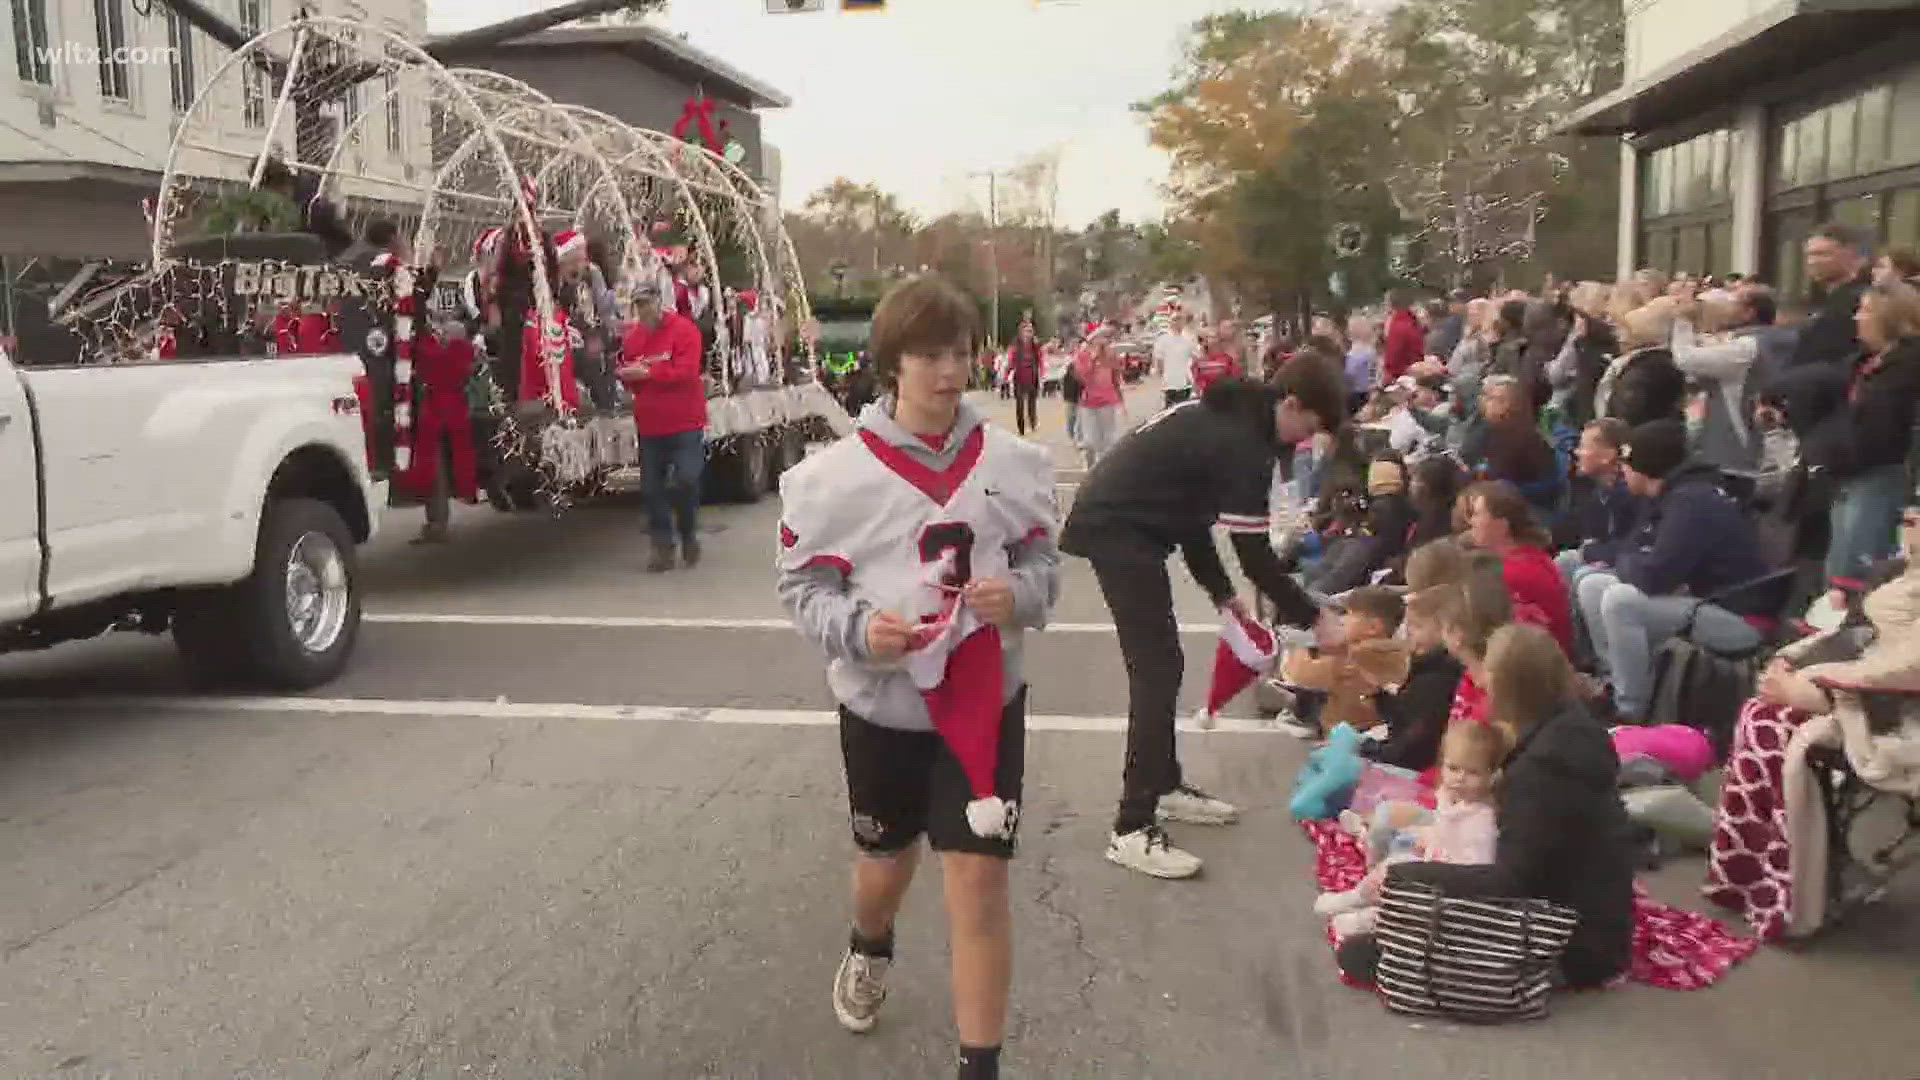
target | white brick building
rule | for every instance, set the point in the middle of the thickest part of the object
(84, 131)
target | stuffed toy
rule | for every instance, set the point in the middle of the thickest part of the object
(1327, 780)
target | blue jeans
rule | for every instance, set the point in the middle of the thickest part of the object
(1865, 520)
(1626, 626)
(670, 468)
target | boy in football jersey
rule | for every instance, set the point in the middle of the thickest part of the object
(1166, 486)
(914, 552)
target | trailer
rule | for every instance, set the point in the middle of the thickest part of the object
(455, 156)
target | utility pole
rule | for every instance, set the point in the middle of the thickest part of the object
(993, 249)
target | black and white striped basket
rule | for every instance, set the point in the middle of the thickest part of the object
(1480, 960)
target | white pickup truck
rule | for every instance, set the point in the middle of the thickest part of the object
(218, 499)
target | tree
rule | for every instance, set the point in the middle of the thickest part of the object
(1483, 180)
(861, 226)
(1277, 126)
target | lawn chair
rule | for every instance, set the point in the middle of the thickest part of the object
(1853, 881)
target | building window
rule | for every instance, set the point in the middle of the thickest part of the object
(31, 46)
(110, 25)
(180, 74)
(395, 116)
(1686, 208)
(253, 84)
(1845, 159)
(1903, 218)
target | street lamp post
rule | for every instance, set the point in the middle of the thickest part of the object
(993, 250)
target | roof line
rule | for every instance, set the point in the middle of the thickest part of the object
(760, 93)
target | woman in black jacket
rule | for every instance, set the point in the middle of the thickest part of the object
(1861, 448)
(1564, 836)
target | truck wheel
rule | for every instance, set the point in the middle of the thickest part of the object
(740, 473)
(793, 450)
(292, 622)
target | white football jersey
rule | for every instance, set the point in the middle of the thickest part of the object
(908, 537)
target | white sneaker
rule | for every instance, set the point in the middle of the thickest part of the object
(1329, 904)
(1195, 807)
(859, 989)
(1147, 851)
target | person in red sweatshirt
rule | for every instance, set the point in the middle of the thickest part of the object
(1405, 344)
(1499, 520)
(660, 364)
(1222, 359)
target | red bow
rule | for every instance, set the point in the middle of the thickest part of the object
(700, 110)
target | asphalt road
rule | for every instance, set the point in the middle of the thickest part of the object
(566, 819)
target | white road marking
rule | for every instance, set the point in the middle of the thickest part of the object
(656, 622)
(501, 709)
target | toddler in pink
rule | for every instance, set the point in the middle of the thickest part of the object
(1462, 830)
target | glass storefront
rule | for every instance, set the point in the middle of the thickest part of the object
(1686, 199)
(1853, 158)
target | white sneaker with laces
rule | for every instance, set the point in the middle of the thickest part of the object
(1147, 851)
(1195, 807)
(859, 989)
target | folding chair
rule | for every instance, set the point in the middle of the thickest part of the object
(1853, 881)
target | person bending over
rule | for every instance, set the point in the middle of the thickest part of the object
(1164, 487)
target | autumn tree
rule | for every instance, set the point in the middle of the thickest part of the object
(1279, 126)
(857, 228)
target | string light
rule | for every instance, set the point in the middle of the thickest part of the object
(493, 152)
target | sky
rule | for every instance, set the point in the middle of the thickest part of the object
(918, 96)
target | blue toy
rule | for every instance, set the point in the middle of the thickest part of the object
(1327, 780)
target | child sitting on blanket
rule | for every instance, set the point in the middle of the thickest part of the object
(1461, 831)
(1365, 660)
(1416, 714)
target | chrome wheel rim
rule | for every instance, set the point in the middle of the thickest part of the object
(317, 592)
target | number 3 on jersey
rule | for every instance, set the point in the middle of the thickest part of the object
(949, 543)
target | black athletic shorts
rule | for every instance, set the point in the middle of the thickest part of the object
(904, 783)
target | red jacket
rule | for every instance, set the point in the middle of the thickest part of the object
(1405, 345)
(672, 396)
(1211, 368)
(1539, 592)
(302, 333)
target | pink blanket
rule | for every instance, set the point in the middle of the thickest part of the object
(1672, 949)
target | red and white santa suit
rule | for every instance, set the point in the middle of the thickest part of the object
(535, 348)
(299, 332)
(884, 520)
(440, 416)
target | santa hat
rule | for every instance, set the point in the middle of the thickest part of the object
(1245, 652)
(486, 243)
(955, 662)
(386, 260)
(568, 241)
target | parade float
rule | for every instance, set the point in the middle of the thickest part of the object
(311, 130)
